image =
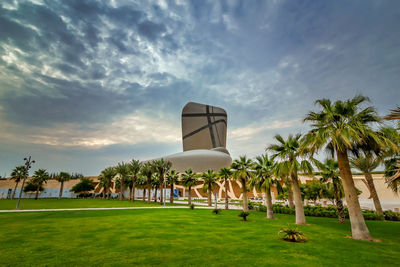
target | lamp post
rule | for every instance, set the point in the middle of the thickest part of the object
(28, 163)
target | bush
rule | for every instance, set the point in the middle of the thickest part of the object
(243, 215)
(250, 205)
(85, 185)
(216, 211)
(292, 234)
(391, 215)
(191, 206)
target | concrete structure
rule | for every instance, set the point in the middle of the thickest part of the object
(204, 139)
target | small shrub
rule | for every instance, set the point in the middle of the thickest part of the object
(250, 205)
(292, 234)
(244, 215)
(191, 206)
(391, 215)
(216, 211)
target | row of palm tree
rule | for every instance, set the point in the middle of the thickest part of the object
(40, 177)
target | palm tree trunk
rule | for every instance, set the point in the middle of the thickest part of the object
(37, 192)
(339, 203)
(171, 199)
(148, 190)
(245, 198)
(226, 194)
(61, 190)
(161, 190)
(15, 189)
(268, 200)
(359, 229)
(104, 192)
(155, 194)
(298, 202)
(374, 194)
(209, 197)
(189, 196)
(144, 194)
(121, 189)
(133, 190)
(290, 195)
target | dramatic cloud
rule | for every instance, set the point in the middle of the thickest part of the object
(84, 84)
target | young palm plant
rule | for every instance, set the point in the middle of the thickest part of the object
(290, 162)
(209, 181)
(366, 163)
(330, 173)
(292, 234)
(18, 174)
(340, 125)
(224, 174)
(264, 180)
(172, 178)
(189, 179)
(242, 170)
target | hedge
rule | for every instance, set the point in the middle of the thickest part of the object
(330, 211)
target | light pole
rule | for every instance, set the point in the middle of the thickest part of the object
(28, 163)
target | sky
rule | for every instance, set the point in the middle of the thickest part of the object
(87, 84)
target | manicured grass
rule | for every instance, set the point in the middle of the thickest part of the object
(51, 203)
(184, 237)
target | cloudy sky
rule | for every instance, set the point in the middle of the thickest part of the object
(86, 84)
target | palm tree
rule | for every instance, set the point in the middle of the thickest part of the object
(263, 180)
(134, 169)
(122, 169)
(340, 125)
(290, 163)
(367, 163)
(63, 177)
(155, 183)
(209, 181)
(172, 178)
(147, 171)
(225, 173)
(106, 177)
(162, 167)
(17, 174)
(330, 172)
(189, 179)
(38, 179)
(242, 170)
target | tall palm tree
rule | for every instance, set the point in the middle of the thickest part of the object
(172, 178)
(122, 169)
(366, 163)
(242, 170)
(264, 180)
(162, 167)
(38, 179)
(209, 181)
(106, 177)
(341, 125)
(189, 179)
(134, 169)
(17, 174)
(330, 172)
(63, 177)
(224, 174)
(147, 171)
(290, 162)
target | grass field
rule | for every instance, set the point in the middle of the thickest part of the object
(184, 237)
(66, 203)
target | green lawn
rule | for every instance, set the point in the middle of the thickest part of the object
(184, 237)
(51, 203)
